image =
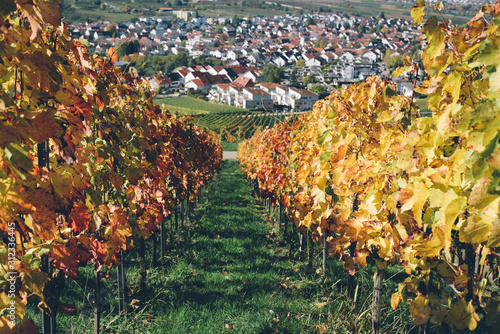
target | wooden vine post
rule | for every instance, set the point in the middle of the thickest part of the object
(122, 285)
(310, 250)
(142, 261)
(153, 257)
(49, 317)
(351, 282)
(182, 213)
(325, 251)
(163, 241)
(377, 298)
(97, 301)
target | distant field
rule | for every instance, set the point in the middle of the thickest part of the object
(81, 10)
(185, 105)
(239, 125)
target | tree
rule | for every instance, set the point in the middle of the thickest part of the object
(309, 22)
(320, 90)
(301, 63)
(293, 78)
(128, 47)
(272, 73)
(322, 42)
(309, 79)
(236, 21)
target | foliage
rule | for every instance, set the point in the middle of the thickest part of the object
(309, 22)
(369, 173)
(320, 90)
(127, 47)
(116, 167)
(308, 79)
(152, 64)
(272, 73)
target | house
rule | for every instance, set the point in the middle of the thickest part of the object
(242, 81)
(250, 98)
(405, 87)
(160, 82)
(302, 99)
(198, 84)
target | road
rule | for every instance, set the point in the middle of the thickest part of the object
(229, 155)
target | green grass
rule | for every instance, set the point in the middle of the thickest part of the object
(424, 109)
(230, 146)
(186, 105)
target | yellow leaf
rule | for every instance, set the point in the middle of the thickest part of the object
(432, 247)
(494, 235)
(451, 207)
(420, 311)
(463, 315)
(475, 229)
(417, 14)
(395, 300)
(418, 196)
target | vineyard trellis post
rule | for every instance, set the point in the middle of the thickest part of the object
(97, 301)
(153, 257)
(352, 252)
(377, 300)
(325, 251)
(48, 319)
(163, 242)
(122, 284)
(310, 249)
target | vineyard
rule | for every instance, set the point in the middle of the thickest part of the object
(240, 125)
(374, 183)
(96, 180)
(186, 105)
(90, 167)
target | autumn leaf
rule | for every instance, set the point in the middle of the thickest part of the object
(462, 315)
(395, 300)
(420, 311)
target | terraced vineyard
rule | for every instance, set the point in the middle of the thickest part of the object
(241, 125)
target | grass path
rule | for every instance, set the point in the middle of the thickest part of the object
(231, 276)
(229, 271)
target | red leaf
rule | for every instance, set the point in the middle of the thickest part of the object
(79, 217)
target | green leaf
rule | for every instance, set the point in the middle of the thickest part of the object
(19, 157)
(417, 14)
(324, 136)
(325, 156)
(330, 192)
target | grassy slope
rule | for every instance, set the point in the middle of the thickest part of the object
(186, 105)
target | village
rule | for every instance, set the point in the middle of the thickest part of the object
(312, 53)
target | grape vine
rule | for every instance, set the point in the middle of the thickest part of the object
(117, 166)
(366, 170)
